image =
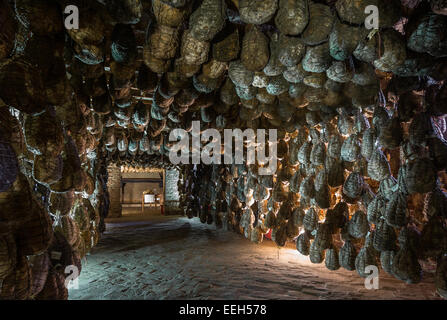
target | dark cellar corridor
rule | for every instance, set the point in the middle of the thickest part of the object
(223, 149)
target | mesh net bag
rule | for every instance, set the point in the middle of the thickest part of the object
(394, 51)
(274, 67)
(30, 13)
(175, 3)
(8, 255)
(295, 75)
(344, 39)
(260, 80)
(228, 94)
(15, 202)
(125, 11)
(35, 235)
(141, 114)
(247, 93)
(331, 259)
(169, 15)
(295, 182)
(323, 237)
(436, 203)
(47, 170)
(54, 288)
(365, 258)
(304, 153)
(277, 85)
(439, 6)
(315, 80)
(350, 149)
(156, 65)
(43, 134)
(91, 28)
(257, 12)
(303, 244)
(366, 50)
(429, 36)
(61, 203)
(390, 134)
(8, 166)
(433, 238)
(406, 266)
(318, 154)
(364, 75)
(415, 67)
(264, 97)
(279, 235)
(214, 69)
(334, 146)
(378, 166)
(384, 238)
(146, 80)
(316, 255)
(8, 26)
(437, 99)
(317, 59)
(279, 193)
(310, 220)
(320, 24)
(123, 48)
(353, 11)
(337, 217)
(69, 229)
(441, 276)
(40, 266)
(284, 212)
(386, 260)
(420, 176)
(22, 87)
(292, 16)
(163, 42)
(17, 285)
(335, 171)
(339, 72)
(347, 256)
(207, 20)
(227, 49)
(255, 49)
(291, 50)
(368, 141)
(419, 128)
(270, 220)
(239, 74)
(204, 84)
(376, 210)
(194, 51)
(353, 186)
(358, 225)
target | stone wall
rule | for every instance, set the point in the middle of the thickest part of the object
(134, 191)
(172, 195)
(114, 186)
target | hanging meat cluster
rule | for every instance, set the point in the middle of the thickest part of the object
(360, 119)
